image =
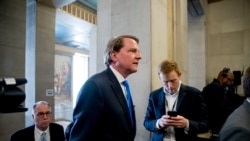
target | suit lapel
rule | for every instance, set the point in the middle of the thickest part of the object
(28, 132)
(180, 97)
(31, 130)
(51, 132)
(162, 104)
(116, 87)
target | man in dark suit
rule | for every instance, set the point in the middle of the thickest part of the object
(43, 128)
(101, 111)
(191, 116)
(220, 100)
(237, 125)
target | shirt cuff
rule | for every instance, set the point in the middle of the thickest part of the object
(187, 128)
(157, 124)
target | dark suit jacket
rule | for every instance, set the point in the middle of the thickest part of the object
(237, 126)
(101, 112)
(189, 105)
(27, 134)
(219, 104)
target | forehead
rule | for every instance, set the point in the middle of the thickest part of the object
(129, 41)
(169, 76)
(42, 107)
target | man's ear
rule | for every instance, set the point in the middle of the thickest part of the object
(179, 74)
(113, 55)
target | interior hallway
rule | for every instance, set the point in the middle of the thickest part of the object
(201, 45)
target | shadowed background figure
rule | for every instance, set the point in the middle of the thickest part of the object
(237, 125)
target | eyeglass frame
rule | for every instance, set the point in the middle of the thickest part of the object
(41, 114)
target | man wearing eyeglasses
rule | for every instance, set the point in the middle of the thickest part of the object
(220, 99)
(43, 129)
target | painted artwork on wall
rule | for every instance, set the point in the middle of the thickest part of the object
(69, 69)
(62, 77)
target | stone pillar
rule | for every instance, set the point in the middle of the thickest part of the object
(180, 52)
(40, 55)
(196, 47)
(27, 45)
(12, 52)
(117, 17)
(169, 36)
(162, 36)
(162, 29)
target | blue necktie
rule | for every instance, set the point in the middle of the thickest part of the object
(43, 136)
(129, 100)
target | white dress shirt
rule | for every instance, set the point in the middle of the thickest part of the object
(38, 134)
(120, 78)
(170, 103)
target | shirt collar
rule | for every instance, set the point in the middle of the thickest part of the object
(118, 76)
(40, 131)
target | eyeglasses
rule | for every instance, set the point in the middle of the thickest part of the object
(41, 114)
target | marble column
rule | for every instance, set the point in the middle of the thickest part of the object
(161, 27)
(12, 52)
(40, 55)
(116, 17)
(27, 45)
(169, 36)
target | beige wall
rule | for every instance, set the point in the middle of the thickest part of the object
(169, 37)
(196, 51)
(228, 36)
(12, 52)
(26, 52)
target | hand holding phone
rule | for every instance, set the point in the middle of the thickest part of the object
(172, 113)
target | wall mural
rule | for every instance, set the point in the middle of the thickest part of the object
(63, 88)
(62, 77)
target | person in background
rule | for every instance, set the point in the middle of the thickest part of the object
(237, 125)
(101, 111)
(191, 116)
(43, 129)
(218, 96)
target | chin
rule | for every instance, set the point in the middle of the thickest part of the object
(45, 124)
(132, 70)
(172, 92)
(135, 69)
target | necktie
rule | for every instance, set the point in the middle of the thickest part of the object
(43, 136)
(129, 100)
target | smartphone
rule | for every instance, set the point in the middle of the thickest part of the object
(172, 113)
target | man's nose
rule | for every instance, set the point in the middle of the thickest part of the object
(170, 84)
(138, 55)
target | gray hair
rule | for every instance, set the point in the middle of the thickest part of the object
(40, 103)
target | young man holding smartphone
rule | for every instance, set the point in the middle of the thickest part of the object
(175, 111)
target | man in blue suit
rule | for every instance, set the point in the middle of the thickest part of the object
(175, 112)
(42, 117)
(237, 125)
(101, 112)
